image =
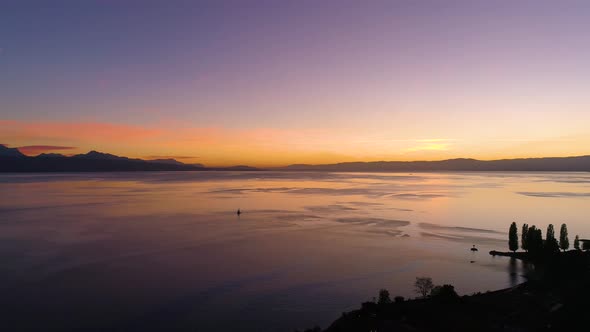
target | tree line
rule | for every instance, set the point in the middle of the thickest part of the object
(425, 288)
(531, 239)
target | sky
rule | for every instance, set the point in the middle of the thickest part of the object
(269, 83)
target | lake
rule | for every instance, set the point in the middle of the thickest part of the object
(166, 251)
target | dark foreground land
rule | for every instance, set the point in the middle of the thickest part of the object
(555, 298)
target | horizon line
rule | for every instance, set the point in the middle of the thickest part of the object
(147, 158)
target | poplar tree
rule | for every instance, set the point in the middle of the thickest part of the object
(534, 240)
(524, 244)
(551, 244)
(513, 237)
(564, 242)
(550, 233)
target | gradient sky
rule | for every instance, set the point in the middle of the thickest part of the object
(279, 82)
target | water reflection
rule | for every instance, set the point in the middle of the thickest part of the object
(513, 271)
(168, 250)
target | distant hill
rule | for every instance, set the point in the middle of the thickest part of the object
(239, 168)
(581, 163)
(170, 161)
(73, 164)
(12, 160)
(166, 161)
(9, 152)
(95, 155)
(51, 155)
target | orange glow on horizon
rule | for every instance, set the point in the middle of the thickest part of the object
(267, 147)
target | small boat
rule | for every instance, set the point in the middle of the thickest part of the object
(473, 248)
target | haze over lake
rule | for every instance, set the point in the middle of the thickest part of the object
(161, 250)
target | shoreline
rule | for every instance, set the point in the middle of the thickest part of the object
(554, 296)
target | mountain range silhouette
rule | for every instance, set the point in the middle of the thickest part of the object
(12, 160)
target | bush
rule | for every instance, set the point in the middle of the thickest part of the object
(384, 297)
(444, 292)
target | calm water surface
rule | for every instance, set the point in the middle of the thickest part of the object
(167, 251)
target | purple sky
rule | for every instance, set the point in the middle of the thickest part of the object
(273, 82)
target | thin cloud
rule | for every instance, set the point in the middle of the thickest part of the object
(38, 149)
(554, 194)
(408, 140)
(430, 147)
(533, 140)
(436, 140)
(170, 157)
(426, 196)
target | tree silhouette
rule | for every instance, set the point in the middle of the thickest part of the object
(550, 232)
(523, 242)
(513, 237)
(534, 240)
(423, 286)
(444, 292)
(384, 297)
(551, 244)
(577, 243)
(564, 242)
(538, 239)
